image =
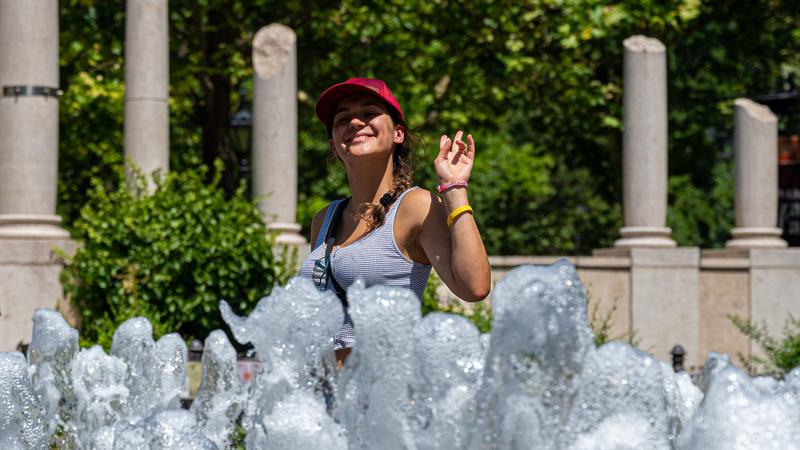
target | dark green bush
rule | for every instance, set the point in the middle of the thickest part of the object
(170, 256)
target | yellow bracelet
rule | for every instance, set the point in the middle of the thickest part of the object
(457, 212)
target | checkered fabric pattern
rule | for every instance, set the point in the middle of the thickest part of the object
(374, 258)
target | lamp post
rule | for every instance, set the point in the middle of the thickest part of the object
(241, 132)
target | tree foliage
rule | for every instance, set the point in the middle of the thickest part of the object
(538, 82)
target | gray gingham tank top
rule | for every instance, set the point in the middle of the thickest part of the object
(374, 258)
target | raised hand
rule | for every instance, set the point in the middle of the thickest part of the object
(455, 159)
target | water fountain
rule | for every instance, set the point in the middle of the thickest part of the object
(419, 383)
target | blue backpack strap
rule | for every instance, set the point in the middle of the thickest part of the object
(326, 223)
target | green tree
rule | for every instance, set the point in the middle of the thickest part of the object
(538, 82)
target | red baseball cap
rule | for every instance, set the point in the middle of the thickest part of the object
(328, 100)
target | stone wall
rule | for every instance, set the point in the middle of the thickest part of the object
(29, 279)
(662, 300)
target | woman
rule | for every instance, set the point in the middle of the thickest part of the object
(388, 232)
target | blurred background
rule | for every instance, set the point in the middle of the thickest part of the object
(538, 83)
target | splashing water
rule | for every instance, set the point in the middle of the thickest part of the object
(290, 332)
(744, 412)
(410, 383)
(220, 399)
(22, 419)
(52, 348)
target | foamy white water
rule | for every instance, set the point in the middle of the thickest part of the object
(537, 381)
(22, 418)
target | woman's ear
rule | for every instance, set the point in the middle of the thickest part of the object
(399, 134)
(333, 149)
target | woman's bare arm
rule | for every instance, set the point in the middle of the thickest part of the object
(457, 253)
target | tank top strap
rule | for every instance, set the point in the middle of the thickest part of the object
(390, 216)
(326, 223)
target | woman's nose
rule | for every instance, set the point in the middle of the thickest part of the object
(356, 122)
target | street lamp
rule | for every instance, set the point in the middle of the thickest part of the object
(240, 135)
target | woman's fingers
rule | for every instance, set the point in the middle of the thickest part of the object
(444, 147)
(471, 146)
(459, 143)
(460, 148)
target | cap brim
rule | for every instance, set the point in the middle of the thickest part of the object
(334, 94)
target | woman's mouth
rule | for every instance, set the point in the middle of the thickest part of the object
(359, 138)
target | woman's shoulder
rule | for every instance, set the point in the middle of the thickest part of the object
(319, 217)
(418, 204)
(317, 221)
(418, 197)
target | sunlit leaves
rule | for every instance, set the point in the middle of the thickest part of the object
(539, 76)
(170, 256)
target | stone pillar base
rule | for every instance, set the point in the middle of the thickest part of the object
(32, 226)
(29, 279)
(664, 302)
(756, 237)
(288, 233)
(288, 241)
(645, 237)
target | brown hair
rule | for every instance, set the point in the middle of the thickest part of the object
(405, 160)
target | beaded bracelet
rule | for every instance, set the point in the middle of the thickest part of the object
(443, 187)
(457, 212)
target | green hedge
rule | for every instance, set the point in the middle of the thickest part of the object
(170, 256)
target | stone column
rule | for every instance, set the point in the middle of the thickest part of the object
(29, 120)
(275, 130)
(29, 226)
(644, 147)
(147, 85)
(755, 146)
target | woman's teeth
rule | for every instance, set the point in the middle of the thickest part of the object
(361, 138)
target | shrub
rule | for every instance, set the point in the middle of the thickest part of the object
(603, 323)
(780, 355)
(480, 314)
(169, 256)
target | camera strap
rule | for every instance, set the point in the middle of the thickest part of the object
(330, 238)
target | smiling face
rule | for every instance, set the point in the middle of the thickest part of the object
(362, 126)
